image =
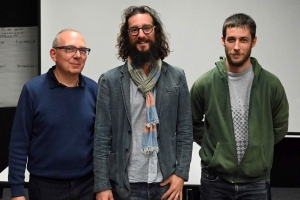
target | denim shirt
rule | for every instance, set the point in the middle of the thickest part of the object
(113, 128)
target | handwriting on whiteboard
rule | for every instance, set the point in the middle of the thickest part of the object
(18, 61)
(11, 32)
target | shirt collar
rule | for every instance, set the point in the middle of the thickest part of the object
(53, 82)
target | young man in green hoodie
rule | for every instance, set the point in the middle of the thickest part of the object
(240, 111)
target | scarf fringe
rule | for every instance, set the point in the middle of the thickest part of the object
(149, 150)
(152, 123)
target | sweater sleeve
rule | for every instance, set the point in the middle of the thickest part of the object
(19, 143)
(280, 113)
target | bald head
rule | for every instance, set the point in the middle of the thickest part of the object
(57, 37)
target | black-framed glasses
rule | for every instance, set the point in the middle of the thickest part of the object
(134, 31)
(72, 50)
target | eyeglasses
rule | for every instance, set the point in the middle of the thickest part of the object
(134, 31)
(72, 50)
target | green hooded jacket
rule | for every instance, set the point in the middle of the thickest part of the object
(213, 125)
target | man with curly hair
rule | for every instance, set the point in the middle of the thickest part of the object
(143, 130)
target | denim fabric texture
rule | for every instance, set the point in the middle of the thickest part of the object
(214, 187)
(145, 191)
(112, 141)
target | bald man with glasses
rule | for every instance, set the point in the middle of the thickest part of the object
(53, 128)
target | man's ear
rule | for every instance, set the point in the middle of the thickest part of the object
(254, 42)
(53, 54)
(223, 41)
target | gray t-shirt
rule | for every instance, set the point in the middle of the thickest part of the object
(141, 167)
(240, 88)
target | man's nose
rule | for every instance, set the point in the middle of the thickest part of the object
(237, 45)
(141, 33)
(77, 53)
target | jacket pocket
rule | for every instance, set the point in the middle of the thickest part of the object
(223, 159)
(254, 162)
(112, 163)
(173, 89)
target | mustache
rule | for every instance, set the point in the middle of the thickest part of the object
(140, 40)
(235, 53)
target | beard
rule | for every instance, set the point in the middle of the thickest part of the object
(139, 58)
(238, 63)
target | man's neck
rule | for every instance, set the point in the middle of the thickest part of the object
(238, 69)
(67, 80)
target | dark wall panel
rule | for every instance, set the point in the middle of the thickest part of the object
(14, 13)
(286, 163)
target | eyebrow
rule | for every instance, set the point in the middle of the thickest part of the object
(232, 37)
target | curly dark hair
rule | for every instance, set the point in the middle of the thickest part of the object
(161, 39)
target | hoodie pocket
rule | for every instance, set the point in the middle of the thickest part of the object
(223, 159)
(254, 162)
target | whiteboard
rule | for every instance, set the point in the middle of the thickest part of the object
(195, 30)
(18, 61)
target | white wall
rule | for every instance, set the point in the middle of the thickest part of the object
(195, 37)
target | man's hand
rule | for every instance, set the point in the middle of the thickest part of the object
(18, 198)
(104, 195)
(175, 190)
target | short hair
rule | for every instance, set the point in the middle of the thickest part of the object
(123, 43)
(55, 41)
(240, 20)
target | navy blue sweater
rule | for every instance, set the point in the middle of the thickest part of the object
(54, 129)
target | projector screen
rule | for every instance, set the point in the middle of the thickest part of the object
(195, 30)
